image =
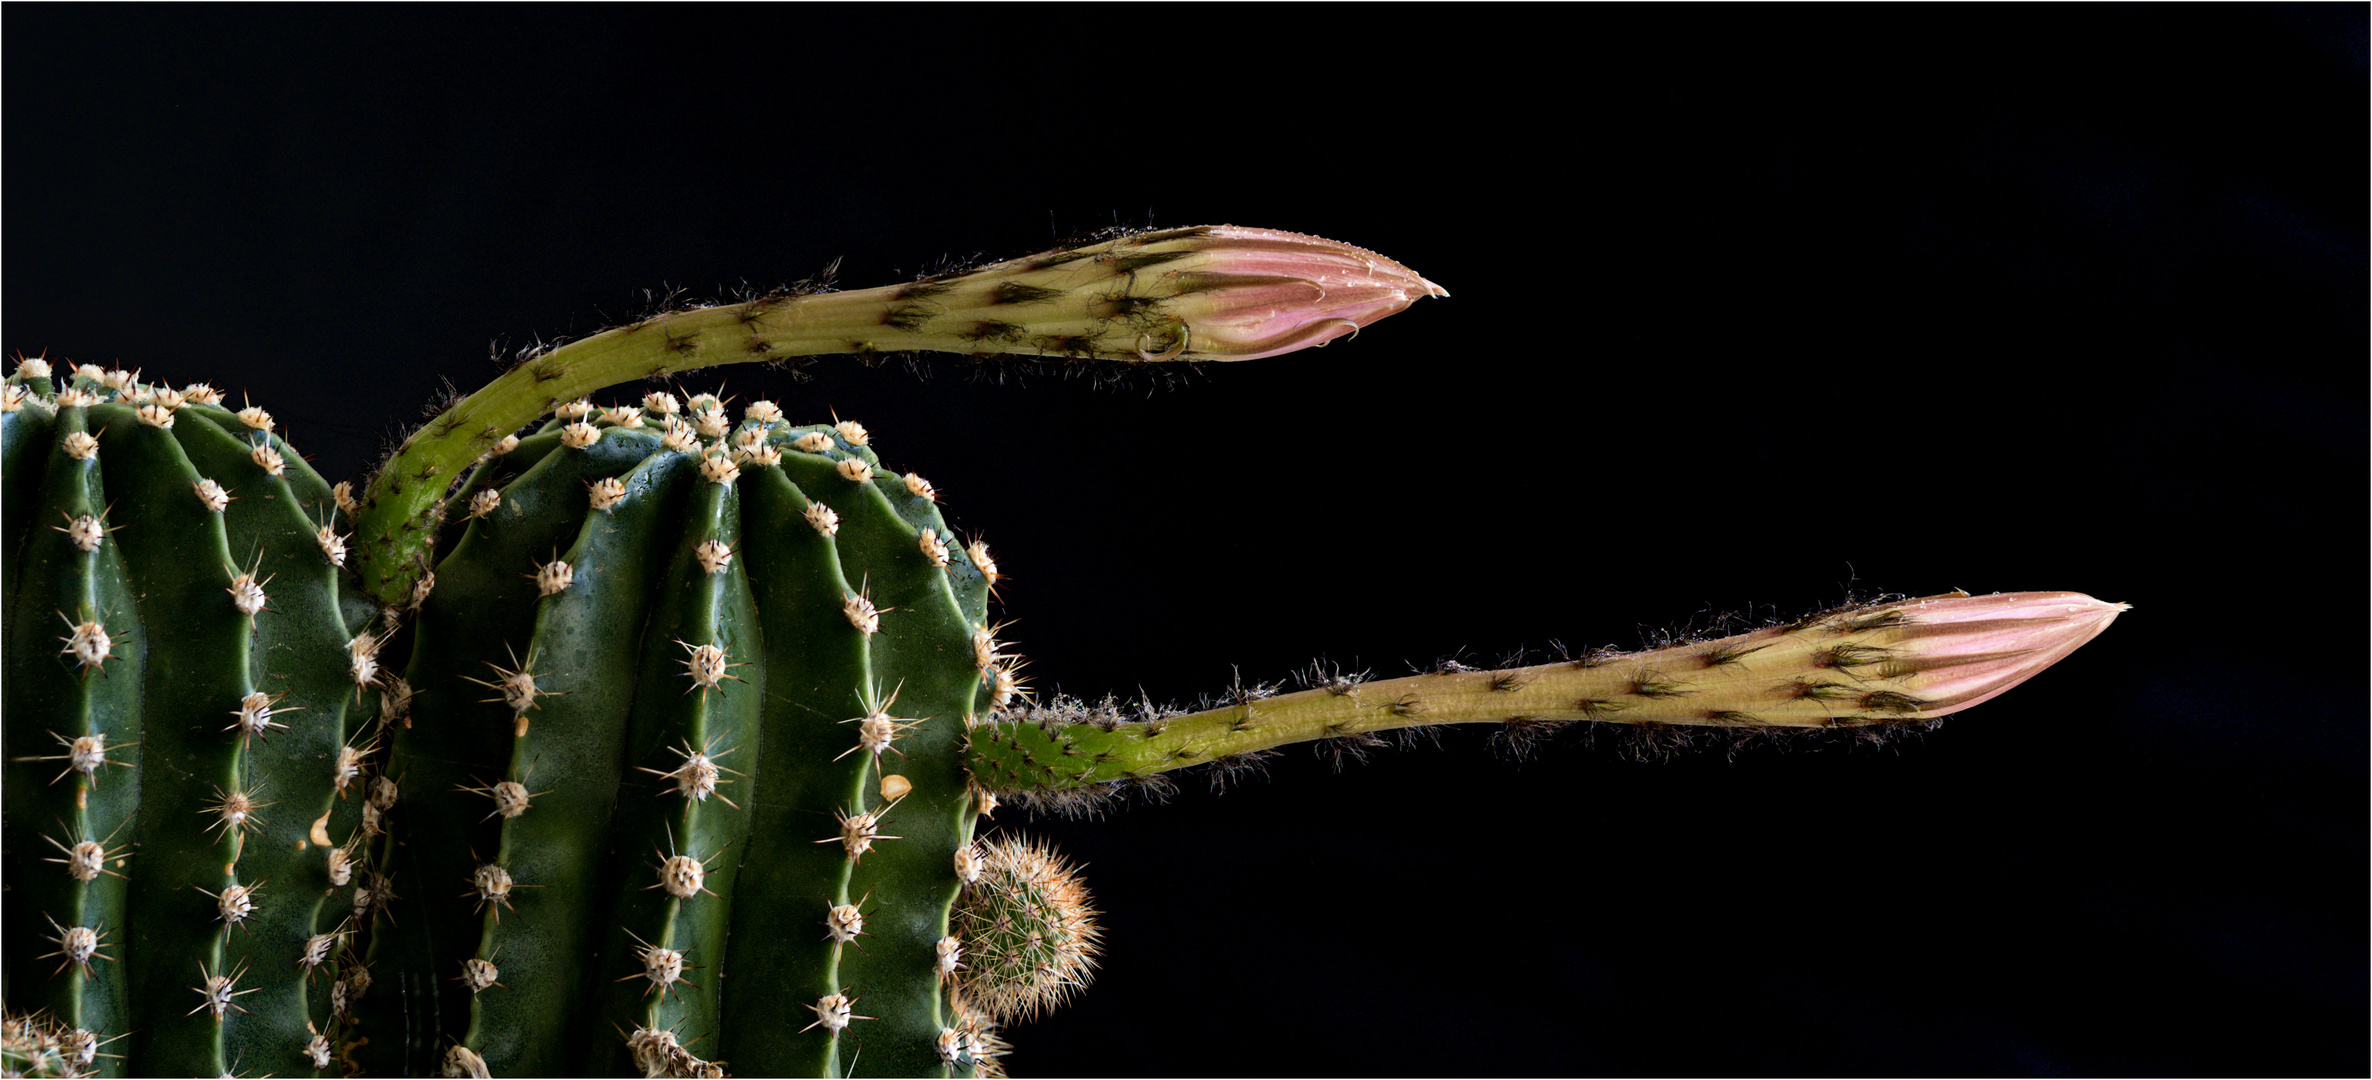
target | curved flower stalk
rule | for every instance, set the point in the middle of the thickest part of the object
(1214, 292)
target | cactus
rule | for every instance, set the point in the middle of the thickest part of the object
(695, 715)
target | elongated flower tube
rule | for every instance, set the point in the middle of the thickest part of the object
(1213, 292)
(1878, 664)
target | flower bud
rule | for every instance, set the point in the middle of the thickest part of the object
(1953, 652)
(1213, 292)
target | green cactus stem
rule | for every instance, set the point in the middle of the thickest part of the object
(1204, 293)
(700, 695)
(1874, 665)
(184, 745)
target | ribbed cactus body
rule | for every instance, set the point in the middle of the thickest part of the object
(683, 778)
(182, 677)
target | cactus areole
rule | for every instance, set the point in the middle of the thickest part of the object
(647, 737)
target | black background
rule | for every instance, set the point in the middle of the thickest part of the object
(1752, 307)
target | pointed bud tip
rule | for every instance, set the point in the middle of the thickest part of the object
(2025, 605)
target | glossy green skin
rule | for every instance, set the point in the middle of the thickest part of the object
(183, 658)
(615, 705)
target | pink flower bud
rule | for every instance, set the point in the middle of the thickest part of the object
(1952, 652)
(1212, 292)
(1243, 294)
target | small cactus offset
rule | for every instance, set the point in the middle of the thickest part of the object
(652, 736)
